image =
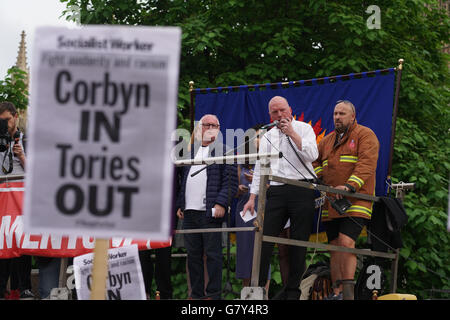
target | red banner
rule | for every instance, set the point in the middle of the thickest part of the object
(14, 242)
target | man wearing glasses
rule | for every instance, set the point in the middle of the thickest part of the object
(347, 161)
(204, 195)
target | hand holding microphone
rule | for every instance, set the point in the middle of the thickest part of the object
(286, 126)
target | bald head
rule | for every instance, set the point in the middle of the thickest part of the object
(278, 100)
(279, 108)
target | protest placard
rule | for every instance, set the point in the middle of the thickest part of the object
(14, 242)
(124, 280)
(102, 110)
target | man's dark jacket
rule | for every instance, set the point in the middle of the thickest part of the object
(221, 184)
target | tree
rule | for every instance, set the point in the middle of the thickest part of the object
(14, 88)
(245, 42)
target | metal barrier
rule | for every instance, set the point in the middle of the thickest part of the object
(12, 177)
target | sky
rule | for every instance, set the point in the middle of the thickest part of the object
(24, 15)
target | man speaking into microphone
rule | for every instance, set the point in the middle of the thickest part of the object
(297, 142)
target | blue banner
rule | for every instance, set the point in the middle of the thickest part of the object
(311, 102)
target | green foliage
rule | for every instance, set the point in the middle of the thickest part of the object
(246, 42)
(423, 159)
(179, 278)
(14, 89)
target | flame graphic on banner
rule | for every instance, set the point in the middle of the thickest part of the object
(317, 127)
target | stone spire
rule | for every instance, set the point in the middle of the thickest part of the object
(21, 61)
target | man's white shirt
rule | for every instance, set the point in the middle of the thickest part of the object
(276, 141)
(196, 186)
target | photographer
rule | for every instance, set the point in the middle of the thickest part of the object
(12, 158)
(12, 153)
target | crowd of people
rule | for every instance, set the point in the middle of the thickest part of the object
(345, 159)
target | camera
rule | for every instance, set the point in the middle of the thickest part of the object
(5, 138)
(341, 205)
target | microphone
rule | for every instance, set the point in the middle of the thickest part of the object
(270, 125)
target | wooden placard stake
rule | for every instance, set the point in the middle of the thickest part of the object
(100, 269)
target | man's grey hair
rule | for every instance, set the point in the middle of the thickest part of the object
(208, 115)
(198, 128)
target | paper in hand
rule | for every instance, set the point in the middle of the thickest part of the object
(248, 215)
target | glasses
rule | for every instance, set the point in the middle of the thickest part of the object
(210, 125)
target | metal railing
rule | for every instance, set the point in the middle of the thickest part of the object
(259, 221)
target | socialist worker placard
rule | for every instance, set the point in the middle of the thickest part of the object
(103, 107)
